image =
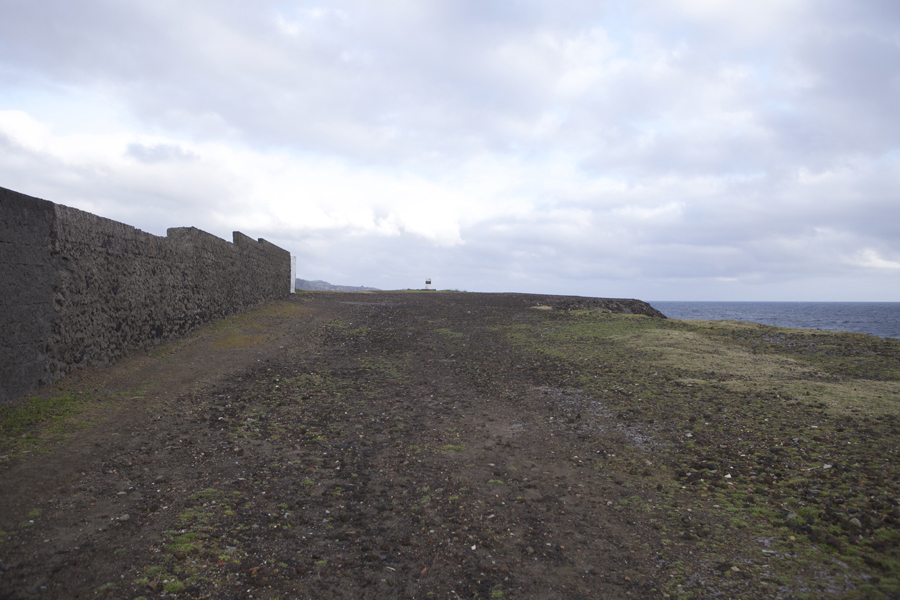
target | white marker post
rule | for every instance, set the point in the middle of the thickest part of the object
(293, 274)
(428, 283)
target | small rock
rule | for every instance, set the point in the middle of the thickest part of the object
(855, 522)
(486, 566)
(529, 550)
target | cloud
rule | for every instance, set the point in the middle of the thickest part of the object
(22, 129)
(158, 153)
(685, 147)
(870, 258)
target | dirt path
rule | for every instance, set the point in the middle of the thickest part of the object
(370, 446)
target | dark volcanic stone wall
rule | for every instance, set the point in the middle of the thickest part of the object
(28, 282)
(77, 289)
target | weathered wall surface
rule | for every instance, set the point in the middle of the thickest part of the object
(27, 285)
(77, 289)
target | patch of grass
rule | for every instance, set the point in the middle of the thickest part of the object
(280, 310)
(186, 542)
(65, 403)
(379, 366)
(248, 329)
(207, 494)
(196, 515)
(702, 347)
(452, 448)
(39, 423)
(166, 349)
(234, 340)
(449, 333)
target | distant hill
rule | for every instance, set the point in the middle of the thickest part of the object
(323, 286)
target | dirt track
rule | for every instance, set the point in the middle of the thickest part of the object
(398, 445)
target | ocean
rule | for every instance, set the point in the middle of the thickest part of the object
(881, 319)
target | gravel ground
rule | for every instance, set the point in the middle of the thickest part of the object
(456, 445)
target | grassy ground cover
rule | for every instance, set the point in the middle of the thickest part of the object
(788, 438)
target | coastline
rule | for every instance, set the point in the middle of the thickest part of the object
(881, 319)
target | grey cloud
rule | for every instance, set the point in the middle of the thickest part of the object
(427, 87)
(392, 83)
(158, 153)
(334, 86)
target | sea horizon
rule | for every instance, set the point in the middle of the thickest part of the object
(881, 319)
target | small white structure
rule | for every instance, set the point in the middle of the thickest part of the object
(293, 274)
(428, 283)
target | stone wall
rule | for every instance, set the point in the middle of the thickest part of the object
(78, 289)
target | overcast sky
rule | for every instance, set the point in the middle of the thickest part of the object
(662, 150)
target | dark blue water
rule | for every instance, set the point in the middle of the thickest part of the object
(875, 318)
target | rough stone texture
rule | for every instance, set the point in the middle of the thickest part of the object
(27, 284)
(77, 289)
